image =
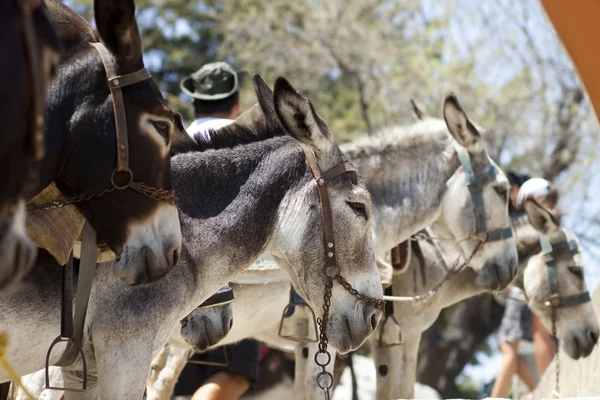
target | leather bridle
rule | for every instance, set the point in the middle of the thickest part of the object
(116, 83)
(549, 254)
(331, 268)
(476, 183)
(555, 300)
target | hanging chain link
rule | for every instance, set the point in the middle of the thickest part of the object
(324, 378)
(556, 357)
(140, 187)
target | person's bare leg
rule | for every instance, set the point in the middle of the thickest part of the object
(222, 386)
(526, 374)
(545, 347)
(508, 367)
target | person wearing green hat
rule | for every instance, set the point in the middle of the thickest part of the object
(215, 90)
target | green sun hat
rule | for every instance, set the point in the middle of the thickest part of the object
(214, 81)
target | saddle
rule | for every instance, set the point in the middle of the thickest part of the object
(58, 230)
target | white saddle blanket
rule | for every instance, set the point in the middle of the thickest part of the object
(264, 270)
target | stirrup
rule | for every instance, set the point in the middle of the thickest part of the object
(288, 311)
(223, 297)
(225, 363)
(70, 342)
(393, 343)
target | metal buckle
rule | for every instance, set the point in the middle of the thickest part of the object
(225, 362)
(288, 312)
(382, 343)
(553, 301)
(70, 342)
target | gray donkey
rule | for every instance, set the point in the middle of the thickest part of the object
(251, 193)
(415, 178)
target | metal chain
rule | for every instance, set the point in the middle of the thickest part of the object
(323, 341)
(324, 378)
(377, 303)
(140, 187)
(557, 357)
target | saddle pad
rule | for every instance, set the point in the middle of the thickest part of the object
(54, 230)
(264, 270)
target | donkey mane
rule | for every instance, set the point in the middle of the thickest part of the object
(409, 138)
(229, 136)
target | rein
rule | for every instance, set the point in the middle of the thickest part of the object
(72, 324)
(331, 269)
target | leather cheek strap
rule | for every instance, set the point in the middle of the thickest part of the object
(322, 179)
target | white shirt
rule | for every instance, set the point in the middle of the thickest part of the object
(201, 126)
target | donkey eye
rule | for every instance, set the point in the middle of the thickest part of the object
(501, 190)
(162, 127)
(577, 271)
(359, 208)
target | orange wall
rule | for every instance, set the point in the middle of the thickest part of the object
(577, 23)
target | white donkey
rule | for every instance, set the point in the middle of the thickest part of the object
(253, 193)
(415, 177)
(397, 365)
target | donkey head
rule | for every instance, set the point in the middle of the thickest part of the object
(30, 40)
(577, 324)
(205, 327)
(299, 246)
(142, 231)
(494, 258)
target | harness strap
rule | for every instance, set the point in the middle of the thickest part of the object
(222, 297)
(475, 183)
(331, 270)
(66, 318)
(116, 82)
(87, 269)
(549, 253)
(295, 299)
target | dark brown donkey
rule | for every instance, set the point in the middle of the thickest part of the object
(125, 194)
(30, 51)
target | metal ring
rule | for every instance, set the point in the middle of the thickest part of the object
(322, 364)
(329, 384)
(129, 180)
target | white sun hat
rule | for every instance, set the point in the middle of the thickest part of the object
(537, 187)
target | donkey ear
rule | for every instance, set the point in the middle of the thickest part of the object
(299, 118)
(417, 112)
(117, 26)
(461, 129)
(541, 219)
(264, 94)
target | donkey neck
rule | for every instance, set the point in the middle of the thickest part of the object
(229, 201)
(406, 170)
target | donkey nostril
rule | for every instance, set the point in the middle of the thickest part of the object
(230, 323)
(593, 335)
(173, 256)
(373, 321)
